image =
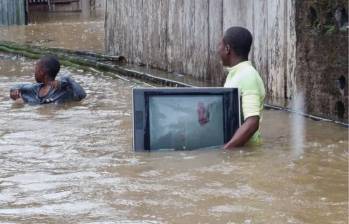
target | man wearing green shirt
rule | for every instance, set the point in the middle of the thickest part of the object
(234, 49)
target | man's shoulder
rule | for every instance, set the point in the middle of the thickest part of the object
(248, 75)
(65, 82)
(64, 78)
(250, 80)
(245, 76)
(248, 71)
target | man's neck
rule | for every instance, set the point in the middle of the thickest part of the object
(47, 86)
(235, 61)
(44, 90)
(48, 83)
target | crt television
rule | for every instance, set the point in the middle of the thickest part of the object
(184, 118)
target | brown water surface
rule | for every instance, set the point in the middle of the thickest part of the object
(75, 164)
(76, 31)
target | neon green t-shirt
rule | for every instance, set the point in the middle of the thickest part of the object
(245, 77)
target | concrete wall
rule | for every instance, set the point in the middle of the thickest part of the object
(181, 36)
(322, 57)
(12, 12)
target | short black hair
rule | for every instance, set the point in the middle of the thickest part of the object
(240, 40)
(50, 65)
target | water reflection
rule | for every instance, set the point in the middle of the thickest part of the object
(297, 125)
(74, 163)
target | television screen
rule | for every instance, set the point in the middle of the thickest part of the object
(185, 122)
(184, 118)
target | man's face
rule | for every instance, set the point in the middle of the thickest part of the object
(223, 51)
(39, 74)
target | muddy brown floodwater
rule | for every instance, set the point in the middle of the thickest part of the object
(64, 30)
(75, 164)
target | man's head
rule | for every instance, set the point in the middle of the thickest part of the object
(46, 69)
(235, 45)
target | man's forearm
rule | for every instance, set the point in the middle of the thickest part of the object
(244, 133)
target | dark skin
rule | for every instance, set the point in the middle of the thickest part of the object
(41, 77)
(15, 94)
(251, 124)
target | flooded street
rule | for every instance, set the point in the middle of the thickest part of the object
(75, 163)
(63, 30)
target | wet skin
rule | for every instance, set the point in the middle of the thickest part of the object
(251, 124)
(40, 77)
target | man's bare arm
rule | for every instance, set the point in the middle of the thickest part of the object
(244, 133)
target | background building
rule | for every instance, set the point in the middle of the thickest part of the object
(299, 46)
(20, 12)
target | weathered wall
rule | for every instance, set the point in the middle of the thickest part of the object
(12, 12)
(322, 57)
(182, 36)
(293, 51)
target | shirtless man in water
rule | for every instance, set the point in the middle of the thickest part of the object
(47, 89)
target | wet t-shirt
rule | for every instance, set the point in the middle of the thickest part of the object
(245, 77)
(68, 91)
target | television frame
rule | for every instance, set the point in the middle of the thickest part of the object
(140, 110)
